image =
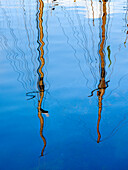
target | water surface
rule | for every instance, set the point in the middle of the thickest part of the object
(63, 72)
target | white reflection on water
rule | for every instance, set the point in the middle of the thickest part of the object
(90, 9)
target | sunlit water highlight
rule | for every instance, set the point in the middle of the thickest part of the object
(54, 54)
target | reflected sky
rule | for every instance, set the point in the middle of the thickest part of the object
(63, 72)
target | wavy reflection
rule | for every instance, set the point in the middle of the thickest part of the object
(80, 36)
(103, 84)
(40, 72)
(16, 55)
(29, 45)
(22, 62)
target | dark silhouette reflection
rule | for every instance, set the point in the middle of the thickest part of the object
(40, 72)
(54, 4)
(103, 84)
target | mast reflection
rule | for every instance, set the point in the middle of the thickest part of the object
(102, 83)
(40, 73)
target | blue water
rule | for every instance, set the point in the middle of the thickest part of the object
(68, 37)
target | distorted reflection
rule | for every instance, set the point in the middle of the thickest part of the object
(41, 74)
(57, 61)
(103, 84)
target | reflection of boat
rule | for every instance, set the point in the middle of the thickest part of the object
(41, 74)
(102, 84)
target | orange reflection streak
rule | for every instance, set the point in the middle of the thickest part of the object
(41, 126)
(102, 84)
(41, 37)
(103, 35)
(40, 82)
